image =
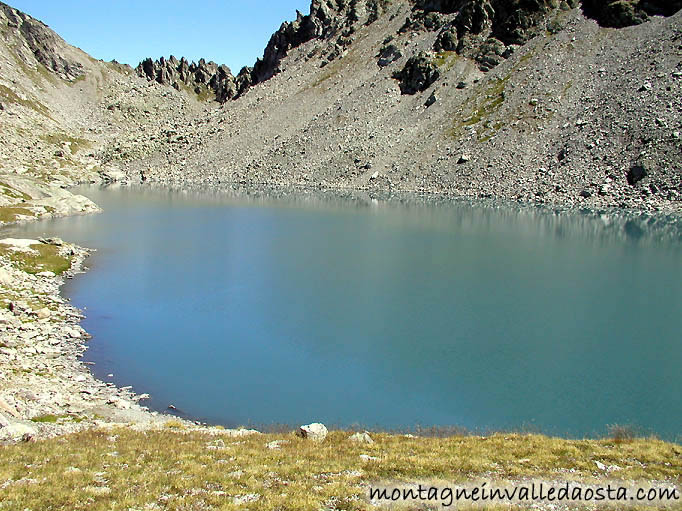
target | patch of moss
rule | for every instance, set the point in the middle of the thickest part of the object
(46, 419)
(53, 419)
(491, 103)
(446, 60)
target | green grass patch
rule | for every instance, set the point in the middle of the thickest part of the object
(54, 419)
(43, 258)
(46, 419)
(492, 100)
(10, 213)
(78, 79)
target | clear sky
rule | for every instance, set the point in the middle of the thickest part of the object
(228, 32)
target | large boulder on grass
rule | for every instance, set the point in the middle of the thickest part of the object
(316, 432)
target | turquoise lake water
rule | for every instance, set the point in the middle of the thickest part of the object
(246, 310)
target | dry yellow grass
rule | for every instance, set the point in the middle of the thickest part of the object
(179, 470)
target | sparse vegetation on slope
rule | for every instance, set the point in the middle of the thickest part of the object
(121, 469)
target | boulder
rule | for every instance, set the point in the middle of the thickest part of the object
(389, 54)
(637, 173)
(419, 73)
(316, 432)
(16, 431)
(447, 40)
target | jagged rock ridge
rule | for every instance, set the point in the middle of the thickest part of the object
(330, 20)
(204, 76)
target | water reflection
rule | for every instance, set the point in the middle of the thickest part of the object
(251, 306)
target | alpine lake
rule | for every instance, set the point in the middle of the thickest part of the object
(257, 308)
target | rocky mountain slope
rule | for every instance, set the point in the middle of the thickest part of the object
(560, 102)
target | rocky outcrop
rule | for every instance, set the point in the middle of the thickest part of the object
(201, 77)
(333, 21)
(45, 44)
(624, 13)
(417, 75)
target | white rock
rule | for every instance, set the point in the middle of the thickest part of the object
(245, 499)
(43, 313)
(276, 444)
(316, 432)
(361, 438)
(73, 333)
(5, 277)
(600, 465)
(17, 430)
(20, 245)
(367, 457)
(46, 274)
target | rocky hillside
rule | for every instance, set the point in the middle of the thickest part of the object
(561, 102)
(62, 115)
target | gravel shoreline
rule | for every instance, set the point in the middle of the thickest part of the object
(45, 389)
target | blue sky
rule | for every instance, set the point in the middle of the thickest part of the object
(228, 32)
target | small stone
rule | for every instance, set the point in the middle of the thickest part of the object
(361, 438)
(245, 499)
(316, 432)
(366, 457)
(645, 87)
(604, 189)
(46, 274)
(73, 333)
(276, 444)
(463, 159)
(43, 313)
(432, 99)
(462, 85)
(586, 194)
(533, 102)
(374, 176)
(5, 277)
(600, 465)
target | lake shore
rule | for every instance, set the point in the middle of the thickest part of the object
(45, 389)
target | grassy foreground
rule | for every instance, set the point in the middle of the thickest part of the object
(176, 469)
